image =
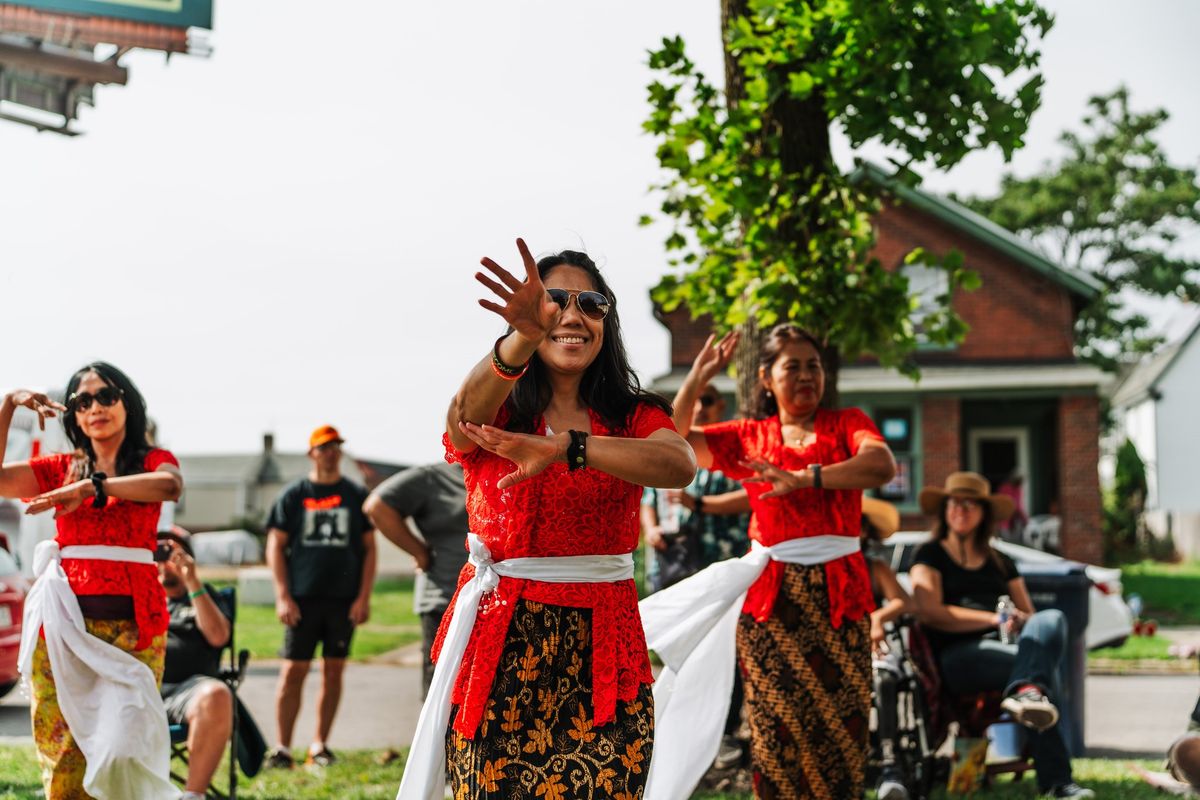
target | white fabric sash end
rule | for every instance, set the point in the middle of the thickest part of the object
(425, 773)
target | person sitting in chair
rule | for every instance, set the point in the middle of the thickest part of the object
(193, 693)
(958, 579)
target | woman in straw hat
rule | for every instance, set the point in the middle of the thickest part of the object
(958, 579)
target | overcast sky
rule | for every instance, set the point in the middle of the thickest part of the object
(284, 234)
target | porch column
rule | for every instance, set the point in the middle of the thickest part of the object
(1079, 479)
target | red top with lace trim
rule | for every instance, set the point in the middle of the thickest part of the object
(804, 512)
(554, 513)
(122, 523)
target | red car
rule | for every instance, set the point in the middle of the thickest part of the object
(13, 588)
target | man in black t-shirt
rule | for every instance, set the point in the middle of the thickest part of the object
(321, 550)
(192, 693)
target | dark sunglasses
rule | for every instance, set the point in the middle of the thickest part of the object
(107, 397)
(592, 305)
(708, 400)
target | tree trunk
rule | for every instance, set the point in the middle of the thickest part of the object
(804, 131)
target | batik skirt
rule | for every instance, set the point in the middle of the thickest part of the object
(61, 761)
(537, 737)
(808, 693)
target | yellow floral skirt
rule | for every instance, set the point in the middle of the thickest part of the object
(537, 738)
(61, 761)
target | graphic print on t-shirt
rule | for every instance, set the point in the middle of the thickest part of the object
(325, 523)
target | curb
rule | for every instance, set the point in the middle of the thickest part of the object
(1143, 666)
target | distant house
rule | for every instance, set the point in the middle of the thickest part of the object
(237, 490)
(1155, 408)
(1011, 398)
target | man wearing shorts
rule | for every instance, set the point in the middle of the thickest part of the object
(192, 693)
(321, 550)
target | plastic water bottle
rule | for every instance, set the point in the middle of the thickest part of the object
(1004, 612)
(668, 513)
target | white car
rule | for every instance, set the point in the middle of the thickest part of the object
(1110, 621)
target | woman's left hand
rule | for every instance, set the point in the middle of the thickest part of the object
(530, 453)
(782, 482)
(63, 500)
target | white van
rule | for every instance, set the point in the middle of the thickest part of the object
(25, 441)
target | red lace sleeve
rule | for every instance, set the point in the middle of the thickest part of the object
(724, 441)
(50, 471)
(157, 457)
(648, 419)
(456, 456)
(855, 428)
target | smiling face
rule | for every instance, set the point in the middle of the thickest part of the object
(99, 422)
(796, 378)
(963, 515)
(575, 340)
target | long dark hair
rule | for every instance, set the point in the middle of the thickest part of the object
(981, 536)
(764, 404)
(609, 386)
(132, 455)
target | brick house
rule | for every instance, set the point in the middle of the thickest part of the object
(1011, 397)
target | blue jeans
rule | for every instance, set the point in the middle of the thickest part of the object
(1039, 657)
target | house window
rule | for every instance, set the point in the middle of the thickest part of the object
(928, 285)
(898, 424)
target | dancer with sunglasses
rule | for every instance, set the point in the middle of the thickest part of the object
(97, 603)
(543, 689)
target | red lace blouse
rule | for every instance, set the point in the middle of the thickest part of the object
(804, 512)
(554, 513)
(122, 523)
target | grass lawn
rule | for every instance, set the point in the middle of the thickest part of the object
(1171, 592)
(1137, 648)
(361, 776)
(392, 624)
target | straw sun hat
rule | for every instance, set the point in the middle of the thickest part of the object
(883, 516)
(971, 485)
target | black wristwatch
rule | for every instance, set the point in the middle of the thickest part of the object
(577, 451)
(101, 499)
(815, 469)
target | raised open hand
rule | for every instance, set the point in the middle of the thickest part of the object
(63, 500)
(526, 306)
(714, 357)
(530, 453)
(38, 403)
(782, 482)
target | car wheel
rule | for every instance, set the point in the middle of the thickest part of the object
(5, 688)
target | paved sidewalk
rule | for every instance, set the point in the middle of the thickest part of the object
(1127, 716)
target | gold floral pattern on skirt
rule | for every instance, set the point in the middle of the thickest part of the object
(537, 739)
(60, 758)
(808, 694)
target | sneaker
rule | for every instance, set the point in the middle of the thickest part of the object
(729, 754)
(279, 758)
(1030, 708)
(321, 758)
(1071, 789)
(891, 785)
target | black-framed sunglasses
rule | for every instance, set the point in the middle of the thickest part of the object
(82, 401)
(592, 305)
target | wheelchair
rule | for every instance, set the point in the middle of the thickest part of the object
(927, 716)
(247, 755)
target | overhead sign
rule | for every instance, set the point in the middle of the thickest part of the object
(175, 13)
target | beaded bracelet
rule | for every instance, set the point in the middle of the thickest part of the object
(577, 451)
(502, 370)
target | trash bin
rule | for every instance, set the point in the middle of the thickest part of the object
(1065, 585)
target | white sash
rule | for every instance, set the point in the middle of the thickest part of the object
(105, 694)
(425, 773)
(693, 627)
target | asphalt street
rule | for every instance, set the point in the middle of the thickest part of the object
(1127, 716)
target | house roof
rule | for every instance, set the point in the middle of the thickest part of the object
(979, 227)
(1141, 381)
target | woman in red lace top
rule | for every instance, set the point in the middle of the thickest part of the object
(108, 492)
(552, 696)
(803, 638)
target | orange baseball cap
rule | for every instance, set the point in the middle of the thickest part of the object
(324, 435)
